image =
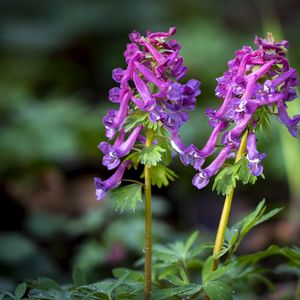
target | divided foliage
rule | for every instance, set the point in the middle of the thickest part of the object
(176, 271)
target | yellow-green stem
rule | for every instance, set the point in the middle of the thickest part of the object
(226, 209)
(148, 221)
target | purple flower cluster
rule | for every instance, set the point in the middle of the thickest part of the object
(257, 81)
(149, 84)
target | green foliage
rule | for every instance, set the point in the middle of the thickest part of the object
(225, 181)
(292, 254)
(151, 155)
(164, 143)
(175, 259)
(162, 175)
(262, 114)
(135, 119)
(218, 290)
(126, 197)
(183, 292)
(124, 287)
(135, 158)
(237, 232)
(79, 277)
(20, 290)
(15, 248)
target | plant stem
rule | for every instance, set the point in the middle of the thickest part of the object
(226, 208)
(148, 222)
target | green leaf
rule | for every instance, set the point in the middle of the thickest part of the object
(135, 119)
(244, 174)
(207, 272)
(151, 155)
(288, 269)
(126, 197)
(162, 175)
(131, 275)
(191, 240)
(20, 290)
(16, 248)
(99, 290)
(293, 254)
(207, 268)
(135, 158)
(78, 276)
(236, 233)
(218, 290)
(183, 291)
(225, 181)
(46, 283)
(164, 143)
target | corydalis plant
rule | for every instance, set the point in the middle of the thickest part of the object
(149, 97)
(153, 105)
(258, 83)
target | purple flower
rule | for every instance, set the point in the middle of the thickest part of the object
(117, 74)
(131, 49)
(103, 186)
(112, 154)
(291, 124)
(114, 94)
(114, 118)
(183, 96)
(209, 148)
(157, 36)
(202, 178)
(253, 156)
(192, 156)
(150, 76)
(255, 78)
(145, 89)
(148, 101)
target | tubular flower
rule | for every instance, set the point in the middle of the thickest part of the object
(258, 83)
(103, 186)
(148, 95)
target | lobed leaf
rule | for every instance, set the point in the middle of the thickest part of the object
(151, 155)
(162, 175)
(126, 197)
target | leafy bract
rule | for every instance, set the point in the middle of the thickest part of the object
(151, 155)
(162, 175)
(225, 181)
(126, 197)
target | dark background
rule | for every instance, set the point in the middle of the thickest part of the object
(56, 58)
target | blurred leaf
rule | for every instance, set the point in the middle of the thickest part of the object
(20, 290)
(90, 221)
(79, 277)
(90, 255)
(45, 225)
(288, 269)
(15, 248)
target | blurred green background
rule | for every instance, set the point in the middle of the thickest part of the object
(56, 58)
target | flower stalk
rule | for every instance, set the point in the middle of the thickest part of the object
(226, 208)
(148, 221)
